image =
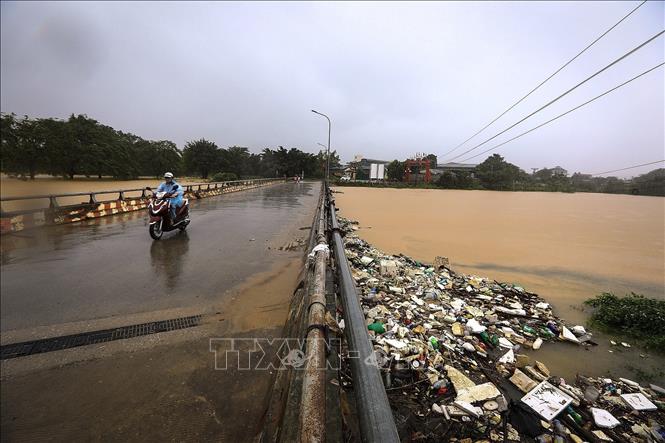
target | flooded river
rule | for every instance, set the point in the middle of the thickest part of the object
(564, 247)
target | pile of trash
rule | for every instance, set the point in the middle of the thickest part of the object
(448, 346)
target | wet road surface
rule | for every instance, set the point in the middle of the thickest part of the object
(158, 387)
(73, 273)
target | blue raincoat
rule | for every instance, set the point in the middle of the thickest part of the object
(175, 188)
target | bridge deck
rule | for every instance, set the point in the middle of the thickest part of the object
(72, 279)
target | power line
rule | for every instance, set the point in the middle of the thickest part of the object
(629, 167)
(547, 79)
(562, 95)
(565, 113)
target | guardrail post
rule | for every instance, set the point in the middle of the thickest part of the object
(93, 198)
(122, 195)
(52, 201)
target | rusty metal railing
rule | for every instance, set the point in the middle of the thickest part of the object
(312, 420)
(373, 409)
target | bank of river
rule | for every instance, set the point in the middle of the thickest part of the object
(564, 247)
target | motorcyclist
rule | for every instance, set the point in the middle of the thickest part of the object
(175, 191)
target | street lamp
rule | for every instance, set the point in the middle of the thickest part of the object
(328, 148)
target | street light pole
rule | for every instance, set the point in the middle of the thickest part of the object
(328, 152)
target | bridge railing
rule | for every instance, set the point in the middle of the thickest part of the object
(373, 408)
(122, 194)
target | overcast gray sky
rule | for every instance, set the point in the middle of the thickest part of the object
(396, 78)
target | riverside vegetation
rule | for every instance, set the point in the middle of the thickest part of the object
(82, 146)
(634, 315)
(496, 174)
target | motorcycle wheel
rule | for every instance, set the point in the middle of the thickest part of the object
(155, 231)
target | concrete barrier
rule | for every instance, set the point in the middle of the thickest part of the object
(56, 215)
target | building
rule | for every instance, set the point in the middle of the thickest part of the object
(454, 167)
(558, 170)
(367, 168)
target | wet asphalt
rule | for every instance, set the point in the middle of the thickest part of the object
(111, 267)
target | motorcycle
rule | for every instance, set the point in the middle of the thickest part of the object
(159, 210)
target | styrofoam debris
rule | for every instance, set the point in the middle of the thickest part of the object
(603, 418)
(639, 402)
(547, 400)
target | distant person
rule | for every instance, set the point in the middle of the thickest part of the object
(170, 186)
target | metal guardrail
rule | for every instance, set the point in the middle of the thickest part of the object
(373, 409)
(53, 202)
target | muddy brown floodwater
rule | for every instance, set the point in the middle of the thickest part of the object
(564, 247)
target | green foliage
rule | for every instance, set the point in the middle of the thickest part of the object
(80, 146)
(321, 160)
(224, 176)
(395, 170)
(457, 180)
(651, 183)
(497, 174)
(83, 146)
(432, 160)
(634, 315)
(201, 157)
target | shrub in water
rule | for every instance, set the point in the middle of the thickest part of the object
(634, 315)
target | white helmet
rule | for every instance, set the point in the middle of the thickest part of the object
(168, 175)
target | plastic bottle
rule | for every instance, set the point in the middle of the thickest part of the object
(544, 332)
(575, 416)
(528, 330)
(377, 327)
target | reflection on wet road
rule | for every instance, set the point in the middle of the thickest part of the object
(112, 267)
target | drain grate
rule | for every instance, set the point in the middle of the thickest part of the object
(90, 338)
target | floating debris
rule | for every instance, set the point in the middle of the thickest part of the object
(547, 400)
(450, 347)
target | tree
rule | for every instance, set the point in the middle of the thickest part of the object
(582, 182)
(200, 157)
(235, 159)
(447, 180)
(497, 174)
(614, 185)
(82, 145)
(651, 183)
(543, 175)
(432, 160)
(321, 160)
(8, 142)
(457, 180)
(155, 157)
(395, 170)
